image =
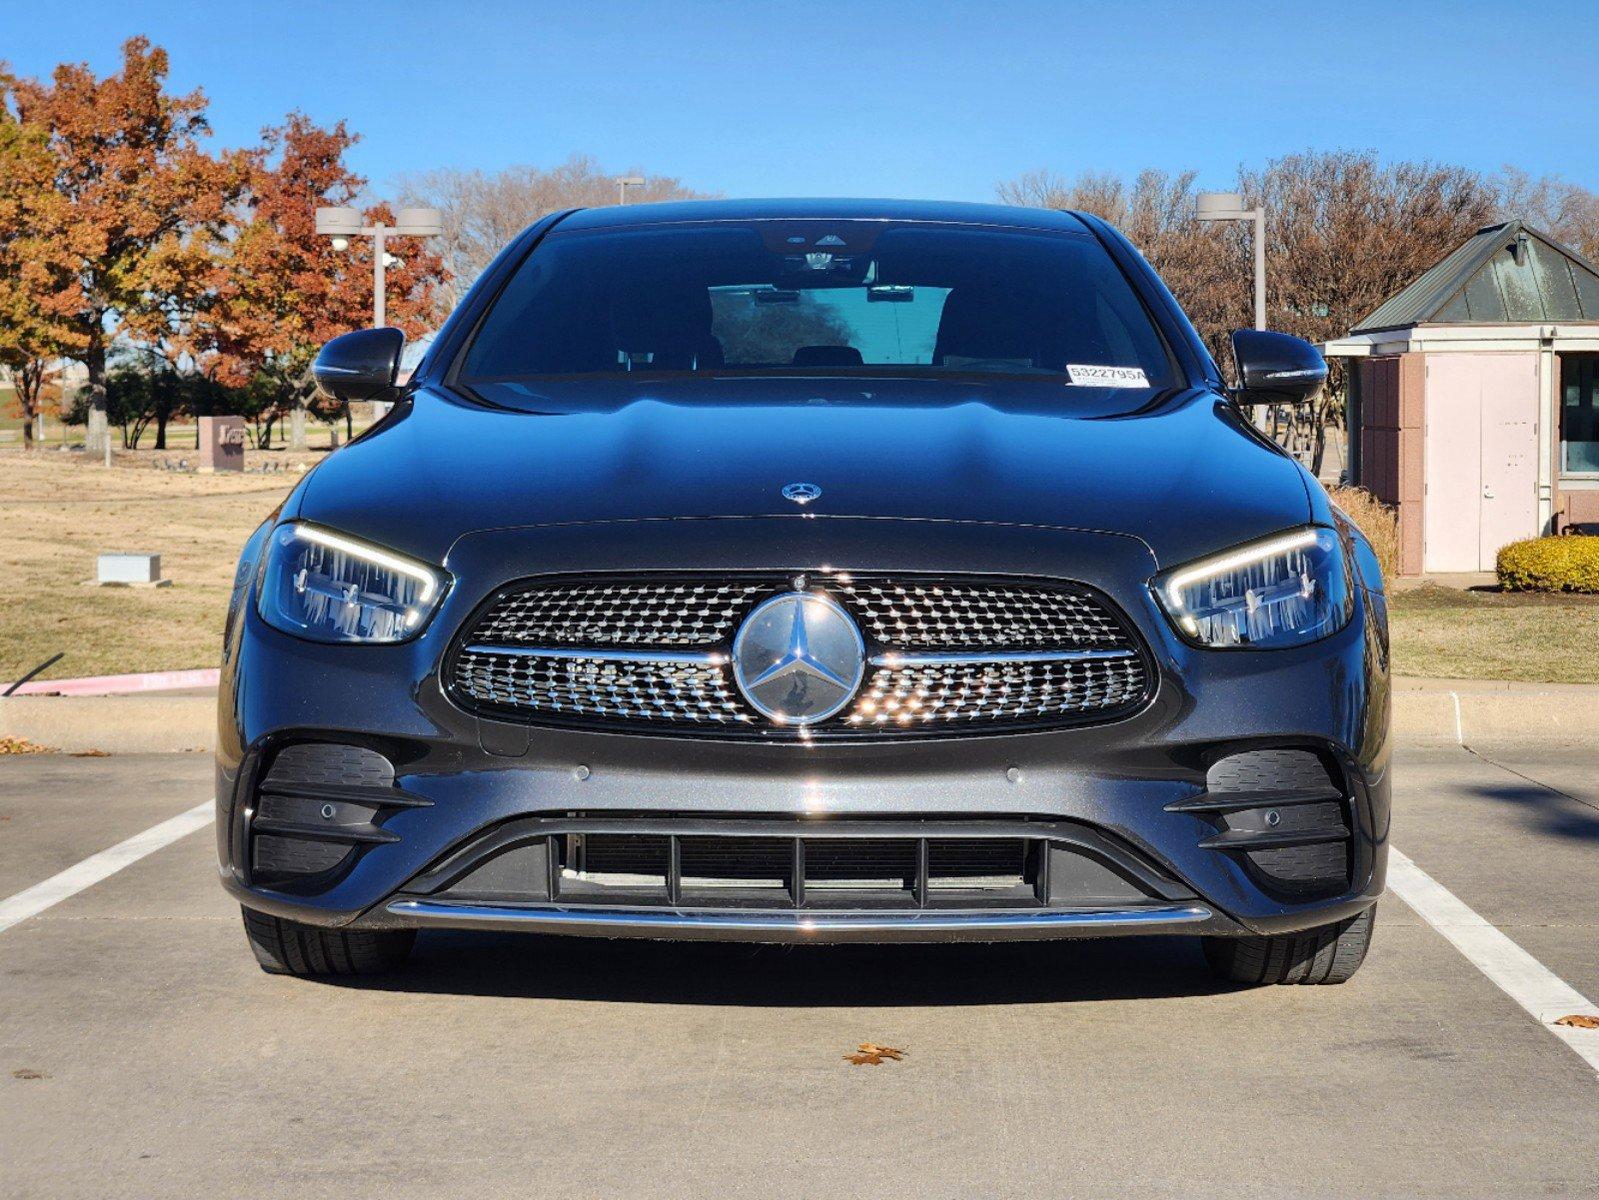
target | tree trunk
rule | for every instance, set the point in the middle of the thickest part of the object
(98, 432)
(266, 433)
(349, 424)
(29, 381)
(297, 426)
(160, 430)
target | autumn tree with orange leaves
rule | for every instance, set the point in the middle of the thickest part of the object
(30, 338)
(278, 289)
(128, 249)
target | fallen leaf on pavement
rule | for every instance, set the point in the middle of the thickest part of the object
(28, 1073)
(871, 1054)
(91, 754)
(16, 745)
(1580, 1021)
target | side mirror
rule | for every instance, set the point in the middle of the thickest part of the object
(361, 365)
(1276, 368)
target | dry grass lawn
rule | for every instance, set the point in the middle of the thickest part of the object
(1451, 634)
(57, 512)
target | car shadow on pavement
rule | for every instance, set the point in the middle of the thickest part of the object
(1546, 810)
(704, 973)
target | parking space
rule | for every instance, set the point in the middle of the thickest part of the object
(154, 1058)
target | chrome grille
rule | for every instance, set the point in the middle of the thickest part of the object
(945, 654)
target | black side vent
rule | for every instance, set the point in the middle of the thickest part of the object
(1286, 817)
(316, 808)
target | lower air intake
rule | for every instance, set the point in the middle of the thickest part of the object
(317, 808)
(1285, 815)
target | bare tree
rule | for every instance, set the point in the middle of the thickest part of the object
(1343, 233)
(1206, 266)
(482, 212)
(1567, 212)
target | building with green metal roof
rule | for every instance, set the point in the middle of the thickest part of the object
(1474, 399)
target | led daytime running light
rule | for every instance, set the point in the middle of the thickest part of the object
(371, 554)
(1231, 562)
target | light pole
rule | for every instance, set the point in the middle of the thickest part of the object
(1229, 206)
(623, 182)
(341, 224)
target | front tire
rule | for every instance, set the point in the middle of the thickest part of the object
(1327, 954)
(285, 947)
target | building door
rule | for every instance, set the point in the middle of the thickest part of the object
(1481, 458)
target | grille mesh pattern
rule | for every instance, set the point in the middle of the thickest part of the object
(671, 613)
(909, 615)
(895, 697)
(581, 687)
(982, 616)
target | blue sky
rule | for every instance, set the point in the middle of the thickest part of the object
(924, 98)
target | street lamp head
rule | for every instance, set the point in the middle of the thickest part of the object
(338, 221)
(630, 180)
(419, 222)
(1220, 206)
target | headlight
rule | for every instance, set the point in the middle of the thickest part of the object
(332, 588)
(1283, 591)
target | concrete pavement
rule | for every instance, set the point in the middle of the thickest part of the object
(512, 1066)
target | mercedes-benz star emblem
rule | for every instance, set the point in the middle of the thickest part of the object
(799, 658)
(801, 493)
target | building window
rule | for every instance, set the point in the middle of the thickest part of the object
(1579, 414)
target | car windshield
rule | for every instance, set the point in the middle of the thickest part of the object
(821, 297)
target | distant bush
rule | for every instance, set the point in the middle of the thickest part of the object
(1550, 564)
(1377, 521)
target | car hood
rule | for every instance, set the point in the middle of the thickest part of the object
(1181, 472)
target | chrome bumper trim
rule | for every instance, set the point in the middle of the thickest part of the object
(709, 658)
(961, 658)
(809, 926)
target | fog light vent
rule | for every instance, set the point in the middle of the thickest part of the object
(1284, 814)
(318, 806)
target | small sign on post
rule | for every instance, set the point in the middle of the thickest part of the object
(221, 444)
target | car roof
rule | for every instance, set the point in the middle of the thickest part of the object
(945, 211)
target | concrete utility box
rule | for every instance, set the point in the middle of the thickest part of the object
(221, 444)
(129, 569)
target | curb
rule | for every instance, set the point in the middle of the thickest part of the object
(106, 685)
(1466, 710)
(1423, 710)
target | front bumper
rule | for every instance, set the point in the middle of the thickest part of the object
(1133, 780)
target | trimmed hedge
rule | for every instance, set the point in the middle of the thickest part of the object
(1550, 564)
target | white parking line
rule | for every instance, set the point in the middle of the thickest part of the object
(1515, 972)
(29, 903)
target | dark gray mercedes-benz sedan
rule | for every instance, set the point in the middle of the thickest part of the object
(809, 571)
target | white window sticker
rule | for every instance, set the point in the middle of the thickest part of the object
(1115, 377)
